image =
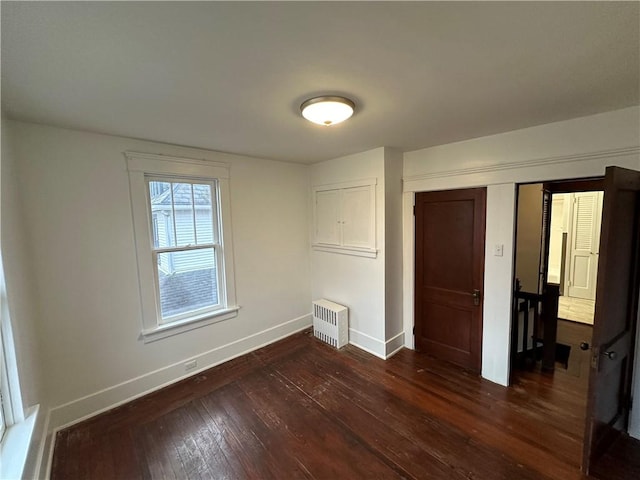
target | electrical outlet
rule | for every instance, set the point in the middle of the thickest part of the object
(190, 365)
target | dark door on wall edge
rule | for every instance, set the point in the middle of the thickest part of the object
(450, 233)
(616, 315)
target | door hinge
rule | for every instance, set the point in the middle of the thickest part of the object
(414, 330)
(414, 210)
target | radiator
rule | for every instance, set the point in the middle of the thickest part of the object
(331, 323)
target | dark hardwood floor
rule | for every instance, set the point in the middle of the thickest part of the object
(300, 409)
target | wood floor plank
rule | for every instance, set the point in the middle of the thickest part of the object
(240, 434)
(127, 463)
(101, 458)
(200, 440)
(480, 421)
(483, 428)
(159, 451)
(324, 448)
(301, 409)
(398, 431)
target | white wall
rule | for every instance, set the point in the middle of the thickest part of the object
(498, 282)
(18, 277)
(529, 228)
(75, 192)
(394, 331)
(370, 287)
(356, 282)
(525, 150)
(20, 291)
(576, 148)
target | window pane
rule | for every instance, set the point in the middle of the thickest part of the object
(183, 212)
(205, 211)
(162, 214)
(188, 281)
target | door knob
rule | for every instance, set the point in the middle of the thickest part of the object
(584, 346)
(476, 297)
(611, 355)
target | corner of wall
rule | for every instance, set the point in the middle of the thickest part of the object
(393, 284)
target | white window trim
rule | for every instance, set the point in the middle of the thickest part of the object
(12, 398)
(20, 424)
(139, 165)
(371, 251)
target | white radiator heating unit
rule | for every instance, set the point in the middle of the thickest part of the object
(331, 323)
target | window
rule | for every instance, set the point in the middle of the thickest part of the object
(183, 242)
(5, 397)
(2, 394)
(11, 411)
(344, 217)
(6, 413)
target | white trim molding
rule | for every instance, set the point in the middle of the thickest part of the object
(367, 343)
(358, 252)
(489, 174)
(165, 164)
(394, 345)
(174, 328)
(216, 174)
(374, 346)
(348, 184)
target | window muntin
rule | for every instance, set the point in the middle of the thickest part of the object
(185, 247)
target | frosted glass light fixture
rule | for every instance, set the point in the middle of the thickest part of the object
(327, 111)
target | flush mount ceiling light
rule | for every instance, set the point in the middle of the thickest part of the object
(327, 111)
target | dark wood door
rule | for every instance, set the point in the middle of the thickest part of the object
(615, 314)
(450, 231)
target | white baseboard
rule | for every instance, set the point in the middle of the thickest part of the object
(367, 343)
(380, 349)
(46, 461)
(65, 415)
(394, 345)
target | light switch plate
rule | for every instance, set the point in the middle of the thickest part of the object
(498, 249)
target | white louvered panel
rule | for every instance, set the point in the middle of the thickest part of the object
(584, 222)
(586, 215)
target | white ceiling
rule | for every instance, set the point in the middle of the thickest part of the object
(231, 76)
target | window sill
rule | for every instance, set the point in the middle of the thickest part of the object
(174, 328)
(356, 251)
(15, 445)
